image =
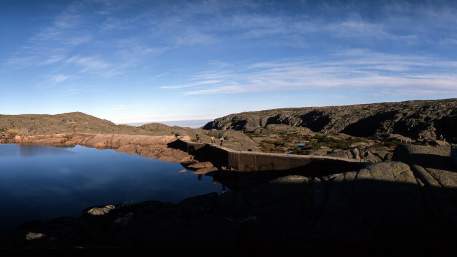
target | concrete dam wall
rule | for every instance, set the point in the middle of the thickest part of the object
(246, 161)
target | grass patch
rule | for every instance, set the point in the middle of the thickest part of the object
(322, 140)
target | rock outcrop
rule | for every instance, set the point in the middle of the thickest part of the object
(100, 211)
(421, 120)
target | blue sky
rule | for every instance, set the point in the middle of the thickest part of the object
(138, 60)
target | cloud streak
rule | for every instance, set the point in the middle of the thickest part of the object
(58, 78)
(287, 47)
(355, 70)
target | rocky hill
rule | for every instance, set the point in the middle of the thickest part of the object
(77, 122)
(33, 124)
(425, 119)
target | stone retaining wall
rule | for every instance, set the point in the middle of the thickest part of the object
(251, 161)
(247, 161)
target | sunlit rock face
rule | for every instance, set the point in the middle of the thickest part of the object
(425, 120)
(100, 211)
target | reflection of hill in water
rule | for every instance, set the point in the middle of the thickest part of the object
(35, 150)
(39, 182)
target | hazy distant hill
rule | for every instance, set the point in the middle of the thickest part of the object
(180, 123)
(426, 119)
(187, 123)
(159, 127)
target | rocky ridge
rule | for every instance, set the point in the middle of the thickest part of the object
(426, 120)
(77, 122)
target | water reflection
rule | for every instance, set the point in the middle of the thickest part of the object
(39, 182)
(34, 150)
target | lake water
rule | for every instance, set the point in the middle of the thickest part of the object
(38, 182)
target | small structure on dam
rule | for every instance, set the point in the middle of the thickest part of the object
(248, 161)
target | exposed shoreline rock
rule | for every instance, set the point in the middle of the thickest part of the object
(149, 146)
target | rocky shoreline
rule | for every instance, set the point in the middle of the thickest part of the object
(144, 145)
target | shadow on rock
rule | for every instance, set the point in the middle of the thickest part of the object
(380, 210)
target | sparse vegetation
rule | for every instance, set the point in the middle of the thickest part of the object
(320, 140)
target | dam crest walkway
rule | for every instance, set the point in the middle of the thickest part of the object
(250, 161)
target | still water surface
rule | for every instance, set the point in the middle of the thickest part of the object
(39, 182)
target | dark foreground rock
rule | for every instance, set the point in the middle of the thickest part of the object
(385, 209)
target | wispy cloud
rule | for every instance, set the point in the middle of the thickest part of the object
(106, 38)
(194, 38)
(52, 43)
(354, 70)
(74, 41)
(225, 89)
(89, 63)
(58, 78)
(164, 27)
(197, 83)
